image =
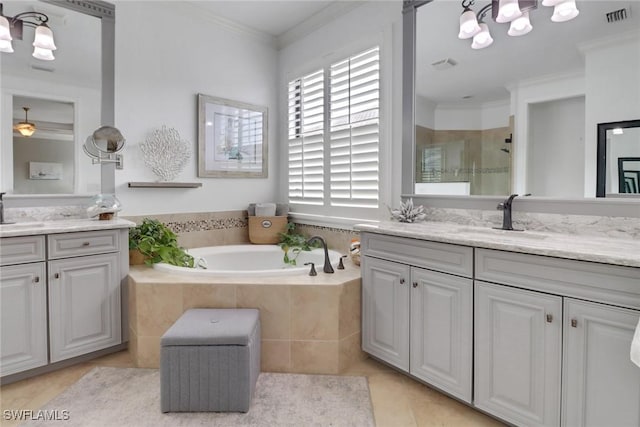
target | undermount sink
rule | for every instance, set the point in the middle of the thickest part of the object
(500, 232)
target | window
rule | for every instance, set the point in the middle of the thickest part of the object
(349, 91)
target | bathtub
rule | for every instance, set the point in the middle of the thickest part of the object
(250, 260)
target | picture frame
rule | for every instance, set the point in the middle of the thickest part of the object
(629, 175)
(232, 139)
(45, 171)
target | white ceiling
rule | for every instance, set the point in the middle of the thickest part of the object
(271, 17)
(550, 48)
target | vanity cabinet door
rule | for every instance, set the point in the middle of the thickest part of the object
(23, 317)
(518, 343)
(84, 305)
(441, 331)
(385, 310)
(601, 384)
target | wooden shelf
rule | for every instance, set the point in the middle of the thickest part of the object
(165, 184)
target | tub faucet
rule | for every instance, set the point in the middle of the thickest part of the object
(327, 268)
(505, 207)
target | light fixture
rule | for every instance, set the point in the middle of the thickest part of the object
(618, 131)
(25, 128)
(12, 28)
(515, 12)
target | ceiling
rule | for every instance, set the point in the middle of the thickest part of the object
(550, 48)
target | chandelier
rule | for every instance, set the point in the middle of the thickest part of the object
(25, 128)
(12, 27)
(515, 12)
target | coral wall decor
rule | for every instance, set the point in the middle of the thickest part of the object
(165, 153)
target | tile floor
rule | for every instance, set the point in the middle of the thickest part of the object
(397, 400)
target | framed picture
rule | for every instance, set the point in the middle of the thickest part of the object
(629, 175)
(232, 139)
(41, 170)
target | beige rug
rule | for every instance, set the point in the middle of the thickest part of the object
(131, 397)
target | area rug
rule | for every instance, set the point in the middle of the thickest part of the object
(131, 397)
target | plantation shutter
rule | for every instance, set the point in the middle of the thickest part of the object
(354, 130)
(306, 139)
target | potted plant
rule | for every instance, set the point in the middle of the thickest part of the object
(156, 243)
(293, 243)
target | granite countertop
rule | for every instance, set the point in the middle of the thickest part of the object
(61, 226)
(625, 252)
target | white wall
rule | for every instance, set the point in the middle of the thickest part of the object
(610, 98)
(34, 149)
(425, 112)
(167, 53)
(556, 148)
(378, 22)
(490, 115)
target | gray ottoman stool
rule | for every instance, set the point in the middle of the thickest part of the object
(210, 361)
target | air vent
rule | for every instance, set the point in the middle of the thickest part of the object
(43, 68)
(444, 64)
(619, 15)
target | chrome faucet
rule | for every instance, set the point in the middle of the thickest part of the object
(505, 207)
(327, 268)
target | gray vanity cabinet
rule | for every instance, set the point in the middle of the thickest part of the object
(601, 386)
(518, 354)
(23, 308)
(414, 317)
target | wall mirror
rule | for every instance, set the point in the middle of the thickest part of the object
(619, 159)
(68, 97)
(521, 115)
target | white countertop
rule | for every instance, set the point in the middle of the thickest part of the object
(625, 252)
(61, 226)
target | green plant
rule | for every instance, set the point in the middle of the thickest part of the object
(158, 243)
(293, 243)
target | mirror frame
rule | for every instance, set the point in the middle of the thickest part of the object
(601, 165)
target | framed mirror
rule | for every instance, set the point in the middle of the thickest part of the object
(619, 159)
(69, 97)
(232, 139)
(521, 115)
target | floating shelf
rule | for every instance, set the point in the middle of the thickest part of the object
(165, 184)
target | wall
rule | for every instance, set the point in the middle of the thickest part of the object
(556, 147)
(372, 22)
(167, 53)
(35, 149)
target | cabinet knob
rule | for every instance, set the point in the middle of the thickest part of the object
(415, 284)
(574, 323)
(549, 318)
(57, 275)
(85, 243)
(402, 280)
(36, 279)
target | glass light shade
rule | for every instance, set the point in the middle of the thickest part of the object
(468, 24)
(44, 38)
(483, 38)
(565, 11)
(618, 131)
(25, 128)
(520, 26)
(551, 2)
(508, 10)
(5, 46)
(43, 54)
(5, 29)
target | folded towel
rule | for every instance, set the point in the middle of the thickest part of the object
(251, 210)
(635, 346)
(265, 209)
(282, 209)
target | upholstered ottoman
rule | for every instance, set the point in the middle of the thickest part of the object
(210, 361)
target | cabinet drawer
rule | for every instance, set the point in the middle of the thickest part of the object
(445, 257)
(605, 283)
(82, 243)
(19, 250)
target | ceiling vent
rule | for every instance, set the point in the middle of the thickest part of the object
(444, 64)
(619, 15)
(42, 68)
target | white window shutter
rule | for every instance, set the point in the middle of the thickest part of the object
(306, 139)
(354, 130)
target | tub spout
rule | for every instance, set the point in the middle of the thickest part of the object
(327, 268)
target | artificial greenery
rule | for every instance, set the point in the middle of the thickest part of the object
(158, 243)
(293, 243)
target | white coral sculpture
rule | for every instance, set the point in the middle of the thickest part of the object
(408, 213)
(165, 153)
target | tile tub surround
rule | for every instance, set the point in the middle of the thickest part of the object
(309, 324)
(336, 238)
(607, 250)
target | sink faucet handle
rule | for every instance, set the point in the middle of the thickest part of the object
(312, 272)
(340, 264)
